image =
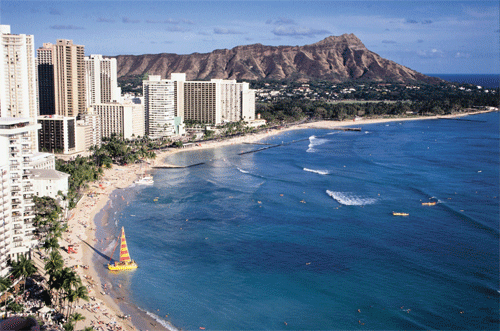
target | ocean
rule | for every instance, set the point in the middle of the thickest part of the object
(484, 80)
(302, 236)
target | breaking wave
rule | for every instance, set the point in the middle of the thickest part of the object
(157, 318)
(349, 199)
(313, 142)
(242, 171)
(321, 172)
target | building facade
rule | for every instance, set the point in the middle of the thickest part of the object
(49, 183)
(202, 102)
(42, 160)
(159, 107)
(93, 121)
(18, 92)
(57, 134)
(16, 225)
(122, 119)
(101, 80)
(217, 101)
(46, 92)
(68, 66)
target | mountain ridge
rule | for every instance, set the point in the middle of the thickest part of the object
(335, 58)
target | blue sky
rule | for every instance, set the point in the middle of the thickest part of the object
(427, 36)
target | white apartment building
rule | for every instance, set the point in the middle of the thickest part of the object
(93, 135)
(125, 119)
(5, 217)
(16, 225)
(48, 183)
(42, 160)
(18, 92)
(101, 80)
(159, 107)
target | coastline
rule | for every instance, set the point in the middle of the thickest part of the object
(82, 224)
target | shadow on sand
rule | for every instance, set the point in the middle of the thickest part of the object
(101, 254)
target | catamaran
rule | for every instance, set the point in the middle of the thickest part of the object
(125, 263)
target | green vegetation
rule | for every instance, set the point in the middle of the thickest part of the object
(290, 102)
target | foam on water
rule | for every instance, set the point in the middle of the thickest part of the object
(313, 142)
(349, 199)
(242, 171)
(157, 318)
(321, 172)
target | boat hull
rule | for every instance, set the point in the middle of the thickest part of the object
(121, 267)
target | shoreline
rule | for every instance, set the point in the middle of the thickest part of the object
(82, 224)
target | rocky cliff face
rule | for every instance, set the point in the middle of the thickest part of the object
(336, 59)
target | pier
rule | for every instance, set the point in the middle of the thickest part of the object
(173, 166)
(460, 119)
(348, 129)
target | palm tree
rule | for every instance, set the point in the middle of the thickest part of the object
(5, 284)
(68, 326)
(23, 268)
(76, 317)
(51, 244)
(54, 263)
(75, 295)
(72, 285)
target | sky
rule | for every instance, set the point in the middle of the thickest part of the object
(432, 37)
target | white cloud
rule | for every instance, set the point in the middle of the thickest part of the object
(298, 32)
(431, 54)
(462, 55)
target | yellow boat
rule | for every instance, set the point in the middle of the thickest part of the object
(400, 214)
(125, 263)
(429, 203)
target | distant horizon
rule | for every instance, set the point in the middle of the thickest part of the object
(426, 36)
(444, 73)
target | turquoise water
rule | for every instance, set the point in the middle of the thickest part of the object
(302, 236)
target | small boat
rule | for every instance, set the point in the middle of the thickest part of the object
(400, 214)
(429, 203)
(145, 180)
(125, 263)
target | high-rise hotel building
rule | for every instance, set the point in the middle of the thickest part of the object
(216, 101)
(16, 183)
(46, 93)
(66, 60)
(18, 143)
(102, 82)
(17, 77)
(159, 107)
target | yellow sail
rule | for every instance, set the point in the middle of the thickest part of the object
(125, 263)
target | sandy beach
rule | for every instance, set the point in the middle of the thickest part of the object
(104, 312)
